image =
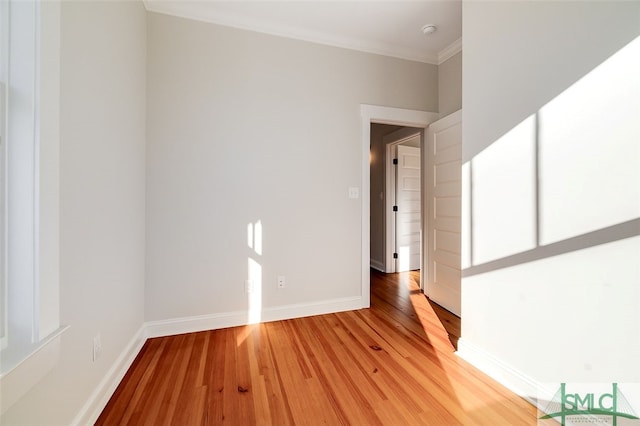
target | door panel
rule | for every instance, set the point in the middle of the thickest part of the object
(446, 206)
(409, 205)
(446, 171)
(443, 204)
(446, 241)
(448, 258)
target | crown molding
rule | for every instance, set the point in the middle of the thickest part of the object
(450, 51)
(187, 10)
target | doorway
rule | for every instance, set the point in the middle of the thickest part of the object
(372, 114)
(402, 200)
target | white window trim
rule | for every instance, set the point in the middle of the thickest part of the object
(21, 369)
(21, 184)
(4, 59)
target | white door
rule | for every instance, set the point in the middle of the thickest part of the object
(443, 180)
(408, 202)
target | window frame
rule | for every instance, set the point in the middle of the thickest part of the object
(33, 348)
(4, 60)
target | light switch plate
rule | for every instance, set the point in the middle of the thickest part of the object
(354, 192)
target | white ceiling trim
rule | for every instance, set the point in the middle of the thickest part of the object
(450, 51)
(246, 23)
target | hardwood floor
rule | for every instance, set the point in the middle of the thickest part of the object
(392, 364)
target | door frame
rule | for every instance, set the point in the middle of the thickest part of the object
(391, 141)
(381, 115)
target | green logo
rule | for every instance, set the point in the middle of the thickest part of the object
(589, 406)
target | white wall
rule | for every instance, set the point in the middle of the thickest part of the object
(450, 85)
(551, 285)
(246, 127)
(511, 68)
(102, 202)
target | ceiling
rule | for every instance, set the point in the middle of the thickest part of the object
(391, 28)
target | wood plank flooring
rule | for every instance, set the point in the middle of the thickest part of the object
(392, 364)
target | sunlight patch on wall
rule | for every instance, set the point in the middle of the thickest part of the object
(255, 291)
(568, 170)
(503, 186)
(590, 150)
(254, 273)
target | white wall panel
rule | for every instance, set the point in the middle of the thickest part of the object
(245, 127)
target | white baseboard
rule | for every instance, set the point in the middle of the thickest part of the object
(514, 380)
(107, 386)
(233, 319)
(377, 265)
(301, 310)
(194, 323)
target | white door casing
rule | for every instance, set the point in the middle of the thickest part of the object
(383, 115)
(443, 206)
(407, 216)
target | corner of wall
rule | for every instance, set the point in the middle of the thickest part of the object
(99, 398)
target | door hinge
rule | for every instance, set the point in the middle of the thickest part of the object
(395, 161)
(395, 255)
(395, 208)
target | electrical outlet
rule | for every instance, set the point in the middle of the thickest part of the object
(281, 281)
(248, 286)
(97, 347)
